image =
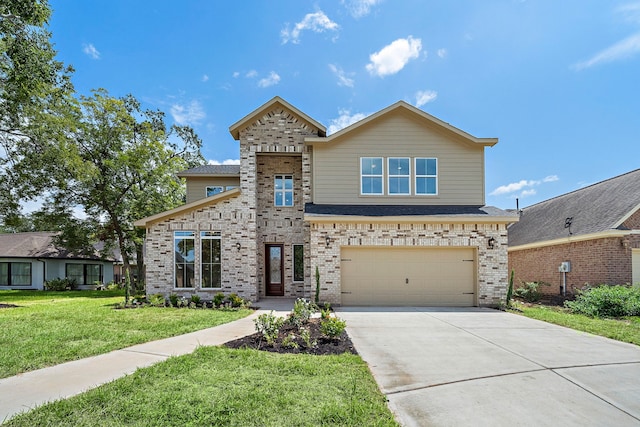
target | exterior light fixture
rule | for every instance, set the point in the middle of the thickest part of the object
(238, 245)
(327, 240)
(491, 243)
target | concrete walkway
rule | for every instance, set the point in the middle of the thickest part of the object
(455, 367)
(26, 391)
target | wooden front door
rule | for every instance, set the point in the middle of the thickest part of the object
(274, 270)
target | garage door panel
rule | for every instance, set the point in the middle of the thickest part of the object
(408, 276)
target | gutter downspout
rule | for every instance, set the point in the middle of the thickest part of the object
(44, 272)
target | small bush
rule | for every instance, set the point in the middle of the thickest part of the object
(607, 301)
(195, 299)
(218, 299)
(174, 300)
(236, 301)
(113, 286)
(290, 341)
(59, 284)
(269, 326)
(305, 335)
(301, 313)
(157, 300)
(530, 291)
(332, 327)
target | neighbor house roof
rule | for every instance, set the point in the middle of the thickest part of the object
(406, 107)
(275, 102)
(212, 170)
(589, 211)
(426, 213)
(36, 245)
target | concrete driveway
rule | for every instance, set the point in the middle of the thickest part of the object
(474, 366)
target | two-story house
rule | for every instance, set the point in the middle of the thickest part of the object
(389, 211)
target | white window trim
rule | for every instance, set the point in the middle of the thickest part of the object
(284, 191)
(389, 176)
(206, 190)
(416, 176)
(193, 237)
(381, 175)
(216, 235)
(293, 263)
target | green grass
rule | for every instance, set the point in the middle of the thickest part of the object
(49, 328)
(626, 329)
(219, 386)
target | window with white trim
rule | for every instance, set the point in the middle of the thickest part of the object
(371, 175)
(298, 263)
(426, 176)
(283, 190)
(210, 259)
(212, 190)
(184, 258)
(399, 175)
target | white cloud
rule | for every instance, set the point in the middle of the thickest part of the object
(251, 74)
(90, 50)
(205, 78)
(393, 57)
(425, 96)
(189, 114)
(631, 12)
(236, 74)
(620, 50)
(225, 162)
(271, 80)
(524, 187)
(345, 119)
(317, 22)
(343, 80)
(360, 8)
(442, 53)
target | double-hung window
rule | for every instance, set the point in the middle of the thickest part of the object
(426, 176)
(184, 258)
(210, 256)
(283, 190)
(371, 175)
(399, 175)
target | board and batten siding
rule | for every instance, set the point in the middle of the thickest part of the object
(336, 164)
(196, 186)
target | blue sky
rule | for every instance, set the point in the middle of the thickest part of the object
(557, 82)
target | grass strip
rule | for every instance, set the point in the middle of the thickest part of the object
(220, 386)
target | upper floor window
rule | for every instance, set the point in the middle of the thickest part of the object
(399, 175)
(371, 174)
(283, 190)
(212, 190)
(426, 176)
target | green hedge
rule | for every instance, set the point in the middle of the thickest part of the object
(607, 301)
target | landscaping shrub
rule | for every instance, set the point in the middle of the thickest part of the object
(268, 324)
(157, 300)
(607, 301)
(332, 327)
(530, 291)
(218, 299)
(301, 313)
(59, 284)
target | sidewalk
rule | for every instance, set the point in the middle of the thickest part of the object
(26, 391)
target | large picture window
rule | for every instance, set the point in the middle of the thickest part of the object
(210, 259)
(298, 263)
(283, 190)
(399, 173)
(83, 274)
(184, 258)
(15, 274)
(371, 175)
(426, 176)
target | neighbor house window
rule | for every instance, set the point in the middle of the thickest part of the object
(210, 257)
(283, 190)
(426, 176)
(84, 274)
(212, 190)
(184, 258)
(399, 175)
(298, 263)
(371, 175)
(15, 274)
(230, 187)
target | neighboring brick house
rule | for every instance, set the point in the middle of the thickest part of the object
(595, 229)
(389, 210)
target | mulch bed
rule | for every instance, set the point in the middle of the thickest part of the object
(325, 345)
(3, 305)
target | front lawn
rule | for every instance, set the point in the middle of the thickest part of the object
(626, 329)
(220, 386)
(48, 328)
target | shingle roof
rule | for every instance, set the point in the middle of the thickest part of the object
(593, 209)
(212, 170)
(405, 210)
(34, 245)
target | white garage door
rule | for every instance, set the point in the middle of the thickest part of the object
(408, 276)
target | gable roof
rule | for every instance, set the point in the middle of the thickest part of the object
(404, 106)
(36, 245)
(258, 113)
(598, 208)
(211, 170)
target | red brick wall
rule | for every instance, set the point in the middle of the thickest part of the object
(599, 261)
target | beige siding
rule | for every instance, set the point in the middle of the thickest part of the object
(336, 166)
(196, 187)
